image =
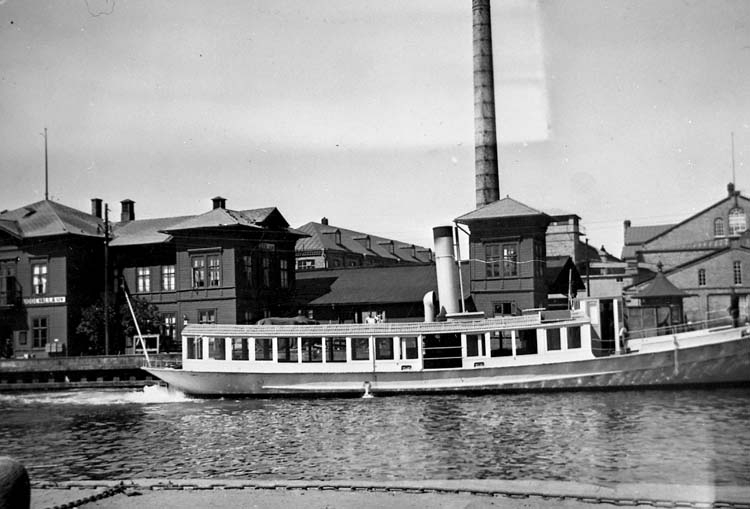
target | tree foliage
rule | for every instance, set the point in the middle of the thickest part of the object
(91, 326)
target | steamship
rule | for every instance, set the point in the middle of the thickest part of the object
(464, 352)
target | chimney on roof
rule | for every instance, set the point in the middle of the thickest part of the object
(128, 210)
(96, 207)
(324, 221)
(485, 137)
(730, 188)
(626, 223)
(219, 202)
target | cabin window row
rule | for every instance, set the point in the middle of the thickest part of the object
(294, 349)
(334, 349)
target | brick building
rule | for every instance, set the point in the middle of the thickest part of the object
(706, 255)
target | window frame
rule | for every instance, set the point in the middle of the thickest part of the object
(211, 315)
(41, 278)
(719, 230)
(701, 277)
(736, 222)
(143, 279)
(168, 278)
(737, 272)
(39, 332)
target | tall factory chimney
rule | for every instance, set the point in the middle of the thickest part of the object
(485, 138)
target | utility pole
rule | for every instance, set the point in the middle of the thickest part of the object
(106, 279)
(46, 170)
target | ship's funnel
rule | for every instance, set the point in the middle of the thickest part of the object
(447, 272)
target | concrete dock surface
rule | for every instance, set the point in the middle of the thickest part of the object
(284, 494)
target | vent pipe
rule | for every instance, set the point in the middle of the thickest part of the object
(445, 266)
(485, 136)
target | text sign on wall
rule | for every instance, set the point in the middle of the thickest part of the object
(45, 300)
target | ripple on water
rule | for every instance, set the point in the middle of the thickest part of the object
(687, 436)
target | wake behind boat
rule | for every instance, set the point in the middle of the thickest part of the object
(464, 353)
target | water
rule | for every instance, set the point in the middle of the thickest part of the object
(662, 436)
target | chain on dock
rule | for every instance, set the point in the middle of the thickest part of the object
(114, 488)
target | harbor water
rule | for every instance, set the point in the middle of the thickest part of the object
(687, 436)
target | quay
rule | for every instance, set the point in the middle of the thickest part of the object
(94, 372)
(512, 494)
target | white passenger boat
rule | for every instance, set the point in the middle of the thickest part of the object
(464, 353)
(496, 354)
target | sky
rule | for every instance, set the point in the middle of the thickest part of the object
(362, 111)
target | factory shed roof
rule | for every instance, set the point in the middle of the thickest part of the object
(326, 237)
(369, 285)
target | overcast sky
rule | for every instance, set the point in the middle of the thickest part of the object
(362, 111)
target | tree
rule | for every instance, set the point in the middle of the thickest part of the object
(147, 314)
(91, 327)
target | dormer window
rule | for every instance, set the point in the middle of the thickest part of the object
(737, 221)
(718, 227)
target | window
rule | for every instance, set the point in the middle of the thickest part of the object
(143, 279)
(492, 259)
(169, 321)
(207, 316)
(284, 273)
(199, 271)
(39, 332)
(501, 343)
(510, 260)
(305, 264)
(214, 270)
(503, 308)
(312, 349)
(247, 269)
(409, 348)
(737, 223)
(39, 278)
(263, 349)
(287, 348)
(266, 270)
(474, 345)
(718, 227)
(217, 349)
(360, 349)
(22, 337)
(168, 278)
(240, 351)
(574, 337)
(384, 348)
(335, 349)
(701, 277)
(737, 269)
(194, 348)
(553, 340)
(526, 342)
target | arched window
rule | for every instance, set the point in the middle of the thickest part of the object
(701, 277)
(737, 221)
(718, 227)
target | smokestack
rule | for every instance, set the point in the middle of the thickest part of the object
(445, 266)
(96, 207)
(485, 137)
(219, 202)
(128, 210)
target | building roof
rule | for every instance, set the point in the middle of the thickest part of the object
(323, 237)
(506, 207)
(636, 235)
(144, 231)
(557, 273)
(370, 285)
(45, 218)
(659, 287)
(156, 231)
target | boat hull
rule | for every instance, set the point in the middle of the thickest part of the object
(726, 362)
